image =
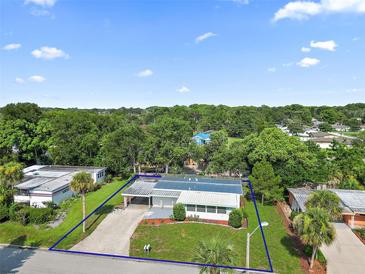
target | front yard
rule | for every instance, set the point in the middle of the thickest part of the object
(177, 241)
(31, 235)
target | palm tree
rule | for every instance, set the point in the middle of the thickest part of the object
(326, 200)
(314, 228)
(215, 251)
(81, 183)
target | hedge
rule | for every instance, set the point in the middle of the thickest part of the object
(4, 213)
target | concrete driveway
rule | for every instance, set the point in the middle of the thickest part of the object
(113, 233)
(346, 254)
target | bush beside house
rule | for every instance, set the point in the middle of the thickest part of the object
(179, 213)
(235, 218)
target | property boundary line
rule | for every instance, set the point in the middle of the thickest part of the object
(136, 176)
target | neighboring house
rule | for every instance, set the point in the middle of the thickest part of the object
(43, 183)
(340, 127)
(352, 203)
(203, 197)
(324, 139)
(202, 138)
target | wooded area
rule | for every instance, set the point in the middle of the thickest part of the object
(160, 139)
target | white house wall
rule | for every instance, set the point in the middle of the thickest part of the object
(163, 201)
(209, 216)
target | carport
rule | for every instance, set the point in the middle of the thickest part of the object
(139, 189)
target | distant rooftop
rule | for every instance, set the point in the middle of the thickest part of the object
(352, 200)
(51, 178)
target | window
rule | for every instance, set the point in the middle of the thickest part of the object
(200, 208)
(190, 207)
(221, 210)
(211, 209)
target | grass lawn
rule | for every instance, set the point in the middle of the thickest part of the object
(233, 139)
(31, 235)
(177, 241)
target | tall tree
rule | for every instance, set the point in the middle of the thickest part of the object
(214, 251)
(314, 228)
(81, 183)
(11, 173)
(265, 182)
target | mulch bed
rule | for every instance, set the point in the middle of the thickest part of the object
(359, 236)
(318, 268)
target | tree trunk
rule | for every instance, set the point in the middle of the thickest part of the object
(167, 168)
(83, 212)
(313, 256)
(262, 199)
(134, 168)
(139, 168)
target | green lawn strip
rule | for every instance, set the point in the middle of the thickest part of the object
(177, 241)
(31, 235)
(233, 139)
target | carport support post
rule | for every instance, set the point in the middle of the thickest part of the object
(125, 201)
(149, 202)
(352, 221)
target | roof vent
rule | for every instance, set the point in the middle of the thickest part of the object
(189, 179)
(196, 179)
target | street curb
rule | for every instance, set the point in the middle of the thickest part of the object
(24, 247)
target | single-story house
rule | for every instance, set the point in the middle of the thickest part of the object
(202, 138)
(340, 127)
(352, 203)
(46, 183)
(203, 197)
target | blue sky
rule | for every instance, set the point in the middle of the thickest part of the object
(111, 54)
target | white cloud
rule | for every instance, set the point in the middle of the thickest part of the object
(308, 62)
(305, 49)
(145, 73)
(37, 78)
(43, 3)
(355, 39)
(49, 53)
(183, 89)
(204, 36)
(40, 12)
(242, 2)
(326, 45)
(301, 10)
(286, 65)
(12, 46)
(19, 80)
(272, 69)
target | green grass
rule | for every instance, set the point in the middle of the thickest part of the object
(31, 235)
(177, 241)
(233, 139)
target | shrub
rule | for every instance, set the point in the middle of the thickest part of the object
(13, 209)
(51, 205)
(108, 179)
(235, 218)
(22, 216)
(4, 214)
(293, 214)
(40, 215)
(244, 213)
(179, 212)
(319, 256)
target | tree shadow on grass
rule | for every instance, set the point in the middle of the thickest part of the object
(294, 246)
(12, 258)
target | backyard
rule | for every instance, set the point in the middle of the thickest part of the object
(177, 241)
(32, 235)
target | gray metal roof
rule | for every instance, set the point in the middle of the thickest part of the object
(32, 182)
(165, 193)
(199, 186)
(140, 188)
(55, 184)
(351, 200)
(208, 199)
(301, 196)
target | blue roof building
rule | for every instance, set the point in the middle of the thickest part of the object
(202, 138)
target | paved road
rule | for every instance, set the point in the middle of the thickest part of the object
(346, 254)
(25, 261)
(113, 234)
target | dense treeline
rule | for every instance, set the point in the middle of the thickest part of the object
(159, 138)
